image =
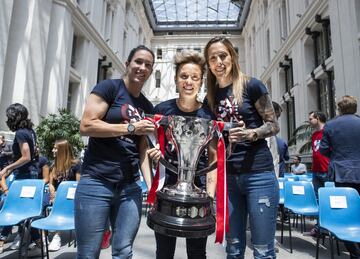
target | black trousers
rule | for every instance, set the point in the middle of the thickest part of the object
(165, 247)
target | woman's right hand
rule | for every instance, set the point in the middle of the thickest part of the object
(154, 154)
(144, 127)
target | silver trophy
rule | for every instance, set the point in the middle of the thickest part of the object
(184, 210)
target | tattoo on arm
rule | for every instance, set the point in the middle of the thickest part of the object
(209, 180)
(265, 108)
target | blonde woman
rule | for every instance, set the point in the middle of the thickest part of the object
(65, 168)
(252, 185)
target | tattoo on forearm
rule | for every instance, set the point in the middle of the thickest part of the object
(265, 109)
(209, 180)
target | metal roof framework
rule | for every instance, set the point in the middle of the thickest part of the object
(196, 15)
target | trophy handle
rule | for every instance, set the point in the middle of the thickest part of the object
(205, 170)
(162, 160)
(168, 165)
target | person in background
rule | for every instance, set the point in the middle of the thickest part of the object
(42, 165)
(282, 147)
(189, 71)
(65, 168)
(253, 188)
(320, 163)
(23, 166)
(113, 119)
(339, 143)
(297, 167)
(5, 152)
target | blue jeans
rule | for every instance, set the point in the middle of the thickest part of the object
(318, 181)
(255, 195)
(96, 202)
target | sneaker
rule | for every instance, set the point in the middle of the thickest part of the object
(106, 239)
(55, 243)
(16, 243)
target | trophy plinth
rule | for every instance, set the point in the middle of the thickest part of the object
(184, 210)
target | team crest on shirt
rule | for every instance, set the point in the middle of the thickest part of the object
(129, 113)
(317, 144)
(228, 110)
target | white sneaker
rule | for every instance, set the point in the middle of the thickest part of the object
(16, 243)
(55, 243)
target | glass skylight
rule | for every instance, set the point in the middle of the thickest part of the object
(194, 14)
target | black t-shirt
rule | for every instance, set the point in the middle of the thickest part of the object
(170, 108)
(24, 135)
(39, 163)
(70, 175)
(116, 159)
(246, 156)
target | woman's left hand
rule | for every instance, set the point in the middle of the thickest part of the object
(240, 134)
(3, 172)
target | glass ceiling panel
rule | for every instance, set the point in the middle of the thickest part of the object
(193, 14)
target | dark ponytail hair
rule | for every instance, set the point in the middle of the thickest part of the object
(17, 117)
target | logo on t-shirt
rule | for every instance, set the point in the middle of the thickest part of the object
(228, 110)
(317, 144)
(129, 113)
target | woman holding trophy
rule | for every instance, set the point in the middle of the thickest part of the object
(189, 71)
(252, 184)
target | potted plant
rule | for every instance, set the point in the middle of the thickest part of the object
(63, 125)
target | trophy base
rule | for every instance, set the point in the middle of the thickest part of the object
(182, 216)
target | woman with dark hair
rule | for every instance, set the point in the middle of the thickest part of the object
(24, 154)
(252, 185)
(108, 189)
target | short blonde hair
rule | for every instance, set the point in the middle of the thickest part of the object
(347, 104)
(189, 56)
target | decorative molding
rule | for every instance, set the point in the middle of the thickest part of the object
(81, 22)
(296, 34)
(74, 75)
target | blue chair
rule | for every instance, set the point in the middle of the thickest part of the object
(22, 204)
(61, 217)
(281, 189)
(300, 200)
(305, 177)
(342, 222)
(291, 177)
(329, 184)
(281, 204)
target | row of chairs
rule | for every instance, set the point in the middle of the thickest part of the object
(23, 206)
(338, 209)
(303, 177)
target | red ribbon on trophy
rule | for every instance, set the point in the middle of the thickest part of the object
(159, 178)
(222, 213)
